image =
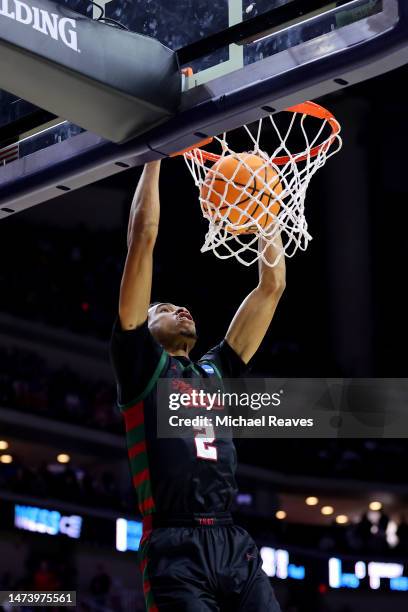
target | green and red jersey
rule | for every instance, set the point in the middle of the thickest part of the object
(179, 476)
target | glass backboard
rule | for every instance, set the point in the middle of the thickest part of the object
(232, 80)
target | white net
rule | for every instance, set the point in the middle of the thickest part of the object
(260, 194)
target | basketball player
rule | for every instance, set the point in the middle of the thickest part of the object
(193, 558)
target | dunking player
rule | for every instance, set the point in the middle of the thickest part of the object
(193, 558)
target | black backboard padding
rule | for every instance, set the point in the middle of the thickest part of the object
(115, 83)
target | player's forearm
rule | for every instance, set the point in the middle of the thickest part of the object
(255, 314)
(272, 279)
(145, 211)
(252, 321)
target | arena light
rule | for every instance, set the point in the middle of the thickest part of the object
(392, 534)
(128, 534)
(378, 574)
(360, 570)
(280, 515)
(268, 561)
(277, 563)
(3, 445)
(6, 459)
(378, 570)
(244, 499)
(327, 510)
(375, 506)
(50, 522)
(342, 519)
(63, 458)
(311, 501)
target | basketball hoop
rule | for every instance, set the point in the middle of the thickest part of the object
(247, 196)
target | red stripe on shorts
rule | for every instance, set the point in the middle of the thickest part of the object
(146, 586)
(141, 477)
(146, 504)
(134, 416)
(136, 449)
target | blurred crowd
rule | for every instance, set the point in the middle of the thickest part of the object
(374, 534)
(40, 574)
(371, 535)
(368, 536)
(27, 384)
(103, 593)
(66, 482)
(380, 460)
(67, 281)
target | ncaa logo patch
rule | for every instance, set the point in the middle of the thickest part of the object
(208, 368)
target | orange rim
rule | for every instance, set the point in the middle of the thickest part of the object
(306, 108)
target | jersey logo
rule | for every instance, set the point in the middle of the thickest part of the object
(208, 368)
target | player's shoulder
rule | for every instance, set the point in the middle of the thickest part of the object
(224, 360)
(208, 367)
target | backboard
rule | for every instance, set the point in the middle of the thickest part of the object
(246, 58)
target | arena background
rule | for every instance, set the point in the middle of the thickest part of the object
(343, 315)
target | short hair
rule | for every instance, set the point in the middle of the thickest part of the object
(152, 304)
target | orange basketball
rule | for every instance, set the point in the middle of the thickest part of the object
(247, 182)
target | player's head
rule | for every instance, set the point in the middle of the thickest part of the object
(172, 326)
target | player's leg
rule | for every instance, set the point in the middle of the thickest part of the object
(258, 595)
(244, 584)
(175, 576)
(177, 594)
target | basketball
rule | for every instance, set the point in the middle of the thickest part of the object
(239, 189)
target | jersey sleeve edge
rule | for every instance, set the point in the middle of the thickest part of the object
(153, 380)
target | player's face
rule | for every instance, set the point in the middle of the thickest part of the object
(172, 324)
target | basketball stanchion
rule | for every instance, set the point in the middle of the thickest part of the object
(255, 194)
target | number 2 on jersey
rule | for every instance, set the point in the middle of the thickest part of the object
(204, 440)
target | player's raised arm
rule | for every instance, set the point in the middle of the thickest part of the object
(143, 226)
(255, 314)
